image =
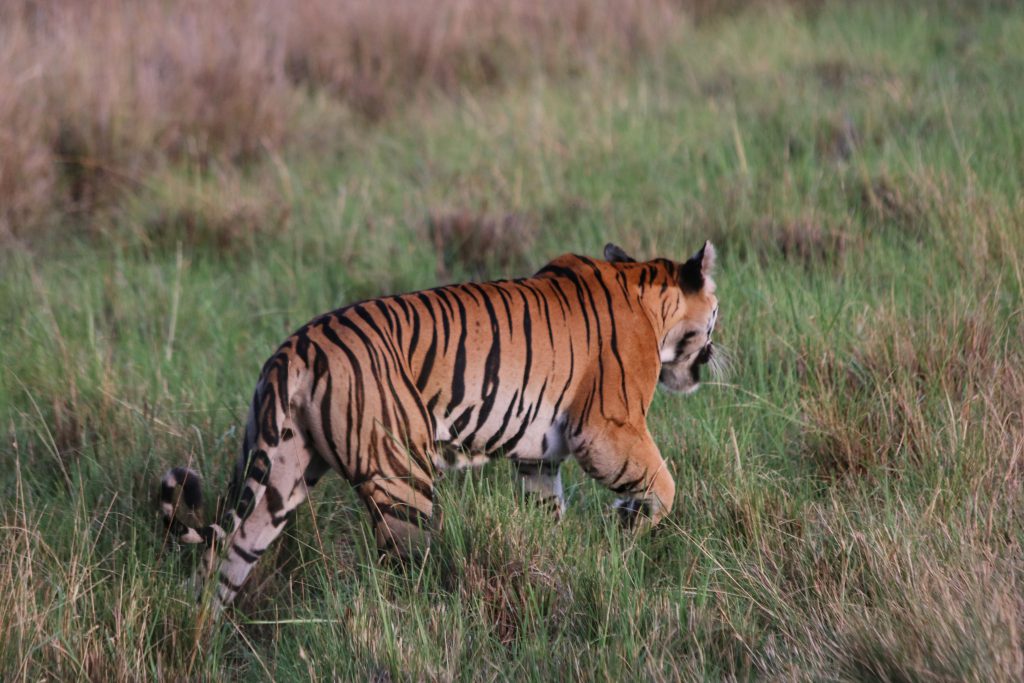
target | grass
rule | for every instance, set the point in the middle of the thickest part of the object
(849, 495)
(100, 99)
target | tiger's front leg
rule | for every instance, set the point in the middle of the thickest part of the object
(626, 460)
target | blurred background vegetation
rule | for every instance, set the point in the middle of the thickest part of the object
(182, 184)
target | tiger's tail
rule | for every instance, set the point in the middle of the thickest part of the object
(181, 495)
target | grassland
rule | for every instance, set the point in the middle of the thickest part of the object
(849, 494)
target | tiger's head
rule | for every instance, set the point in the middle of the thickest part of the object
(684, 297)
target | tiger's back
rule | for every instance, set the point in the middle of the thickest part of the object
(389, 390)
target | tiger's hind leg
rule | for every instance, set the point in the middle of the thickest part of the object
(398, 492)
(541, 478)
(541, 482)
(277, 479)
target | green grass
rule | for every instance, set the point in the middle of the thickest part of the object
(849, 495)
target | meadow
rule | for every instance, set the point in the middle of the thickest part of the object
(181, 187)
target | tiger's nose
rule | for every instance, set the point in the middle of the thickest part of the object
(704, 356)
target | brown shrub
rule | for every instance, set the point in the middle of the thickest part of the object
(848, 438)
(803, 240)
(148, 82)
(218, 209)
(27, 170)
(903, 204)
(897, 593)
(479, 242)
(838, 139)
(707, 10)
(375, 54)
(954, 611)
(94, 96)
(505, 591)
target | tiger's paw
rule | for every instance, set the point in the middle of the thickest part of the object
(553, 505)
(634, 513)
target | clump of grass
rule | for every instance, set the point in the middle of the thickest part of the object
(77, 607)
(808, 238)
(877, 407)
(475, 243)
(889, 202)
(220, 209)
(804, 240)
(513, 575)
(955, 597)
(838, 139)
(955, 619)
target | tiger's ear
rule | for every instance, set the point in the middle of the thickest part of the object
(697, 268)
(615, 254)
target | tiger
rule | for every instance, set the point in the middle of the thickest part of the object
(391, 392)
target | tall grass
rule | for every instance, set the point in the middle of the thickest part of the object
(99, 96)
(848, 497)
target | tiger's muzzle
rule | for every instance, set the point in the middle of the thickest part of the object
(681, 377)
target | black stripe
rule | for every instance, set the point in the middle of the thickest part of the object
(618, 475)
(459, 370)
(681, 344)
(282, 383)
(631, 486)
(428, 359)
(208, 534)
(501, 430)
(569, 379)
(326, 426)
(167, 492)
(227, 582)
(534, 467)
(492, 365)
(446, 315)
(405, 513)
(614, 330)
(267, 417)
(506, 298)
(302, 344)
(460, 422)
(528, 341)
(320, 365)
(527, 421)
(275, 501)
(250, 557)
(564, 273)
(176, 528)
(546, 311)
